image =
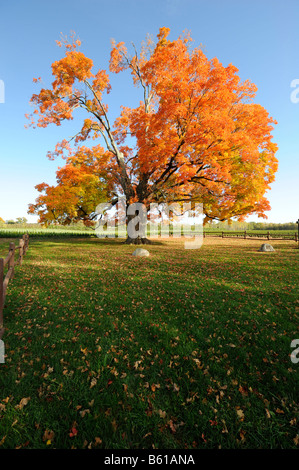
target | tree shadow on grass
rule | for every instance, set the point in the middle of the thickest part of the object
(91, 241)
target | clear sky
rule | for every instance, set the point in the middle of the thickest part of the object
(260, 37)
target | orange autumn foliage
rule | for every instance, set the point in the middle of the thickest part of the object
(196, 135)
(81, 185)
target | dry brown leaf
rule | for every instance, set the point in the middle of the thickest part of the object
(22, 403)
(241, 415)
(93, 382)
(172, 426)
(162, 414)
(48, 435)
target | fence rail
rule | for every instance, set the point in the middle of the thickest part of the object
(252, 235)
(10, 261)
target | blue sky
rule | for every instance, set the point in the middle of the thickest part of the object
(260, 37)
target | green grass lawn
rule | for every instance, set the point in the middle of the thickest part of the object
(183, 349)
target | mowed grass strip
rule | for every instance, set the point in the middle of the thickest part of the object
(183, 349)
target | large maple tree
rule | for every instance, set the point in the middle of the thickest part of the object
(196, 135)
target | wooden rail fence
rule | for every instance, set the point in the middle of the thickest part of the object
(10, 261)
(251, 235)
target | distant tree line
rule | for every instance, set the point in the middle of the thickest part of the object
(223, 226)
(19, 220)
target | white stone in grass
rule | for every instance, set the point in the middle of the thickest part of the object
(140, 252)
(266, 247)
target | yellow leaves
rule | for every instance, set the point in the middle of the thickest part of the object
(162, 414)
(198, 363)
(136, 365)
(79, 190)
(2, 407)
(240, 414)
(162, 36)
(93, 382)
(154, 387)
(22, 403)
(48, 437)
(224, 430)
(268, 414)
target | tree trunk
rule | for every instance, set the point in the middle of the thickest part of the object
(139, 226)
(138, 241)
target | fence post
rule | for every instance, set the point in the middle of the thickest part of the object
(11, 262)
(1, 296)
(24, 248)
(268, 235)
(245, 234)
(27, 242)
(21, 251)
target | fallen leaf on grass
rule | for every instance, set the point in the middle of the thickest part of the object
(73, 432)
(48, 436)
(162, 414)
(98, 441)
(172, 426)
(22, 403)
(93, 382)
(114, 425)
